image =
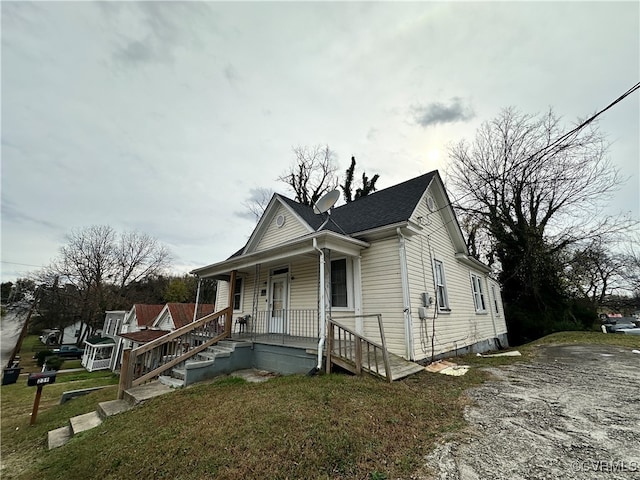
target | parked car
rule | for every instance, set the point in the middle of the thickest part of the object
(69, 351)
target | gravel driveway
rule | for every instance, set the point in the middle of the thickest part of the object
(572, 413)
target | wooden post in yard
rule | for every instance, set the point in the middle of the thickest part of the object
(36, 404)
(125, 373)
(228, 321)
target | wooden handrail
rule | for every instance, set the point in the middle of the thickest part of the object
(182, 330)
(358, 341)
(127, 372)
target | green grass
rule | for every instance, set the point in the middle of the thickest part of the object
(621, 340)
(22, 442)
(327, 427)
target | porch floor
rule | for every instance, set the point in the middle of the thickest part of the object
(400, 368)
(278, 339)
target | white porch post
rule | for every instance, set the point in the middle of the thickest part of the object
(357, 294)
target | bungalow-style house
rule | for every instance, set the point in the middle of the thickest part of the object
(396, 257)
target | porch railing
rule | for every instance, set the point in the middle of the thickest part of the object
(278, 325)
(146, 362)
(356, 353)
(101, 364)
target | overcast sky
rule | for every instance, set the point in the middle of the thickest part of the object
(162, 117)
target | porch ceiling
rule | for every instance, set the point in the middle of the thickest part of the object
(296, 247)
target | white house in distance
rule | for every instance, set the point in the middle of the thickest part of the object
(398, 252)
(99, 350)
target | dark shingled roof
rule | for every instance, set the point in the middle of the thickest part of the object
(385, 207)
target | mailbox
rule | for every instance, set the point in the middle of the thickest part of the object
(42, 378)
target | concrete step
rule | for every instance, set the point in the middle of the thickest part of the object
(233, 344)
(58, 437)
(179, 373)
(84, 422)
(221, 352)
(171, 382)
(113, 407)
(136, 395)
(205, 355)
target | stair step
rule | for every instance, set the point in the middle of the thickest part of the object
(179, 373)
(207, 355)
(58, 437)
(171, 382)
(84, 422)
(112, 407)
(144, 392)
(221, 352)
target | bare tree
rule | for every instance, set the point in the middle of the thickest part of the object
(312, 174)
(101, 264)
(631, 269)
(138, 255)
(258, 200)
(595, 272)
(535, 195)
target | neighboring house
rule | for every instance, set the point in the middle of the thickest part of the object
(66, 336)
(176, 315)
(398, 252)
(130, 329)
(99, 350)
(141, 316)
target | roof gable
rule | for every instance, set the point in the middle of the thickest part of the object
(181, 314)
(293, 227)
(385, 207)
(143, 314)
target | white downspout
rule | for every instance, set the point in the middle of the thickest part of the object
(323, 314)
(195, 310)
(408, 322)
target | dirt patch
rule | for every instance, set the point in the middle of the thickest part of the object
(572, 413)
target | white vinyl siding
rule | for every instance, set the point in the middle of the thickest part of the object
(461, 326)
(478, 294)
(382, 293)
(274, 235)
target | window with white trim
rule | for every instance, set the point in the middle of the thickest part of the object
(495, 300)
(441, 287)
(478, 294)
(340, 283)
(237, 294)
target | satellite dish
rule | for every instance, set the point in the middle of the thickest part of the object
(326, 201)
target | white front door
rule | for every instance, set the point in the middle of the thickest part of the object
(278, 303)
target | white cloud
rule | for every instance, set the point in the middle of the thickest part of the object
(160, 117)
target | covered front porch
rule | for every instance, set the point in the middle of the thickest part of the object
(285, 294)
(97, 353)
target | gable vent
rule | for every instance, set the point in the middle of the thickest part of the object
(431, 204)
(280, 219)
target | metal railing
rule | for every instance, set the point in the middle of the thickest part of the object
(278, 325)
(146, 362)
(356, 353)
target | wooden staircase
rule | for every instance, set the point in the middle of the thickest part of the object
(191, 342)
(357, 354)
